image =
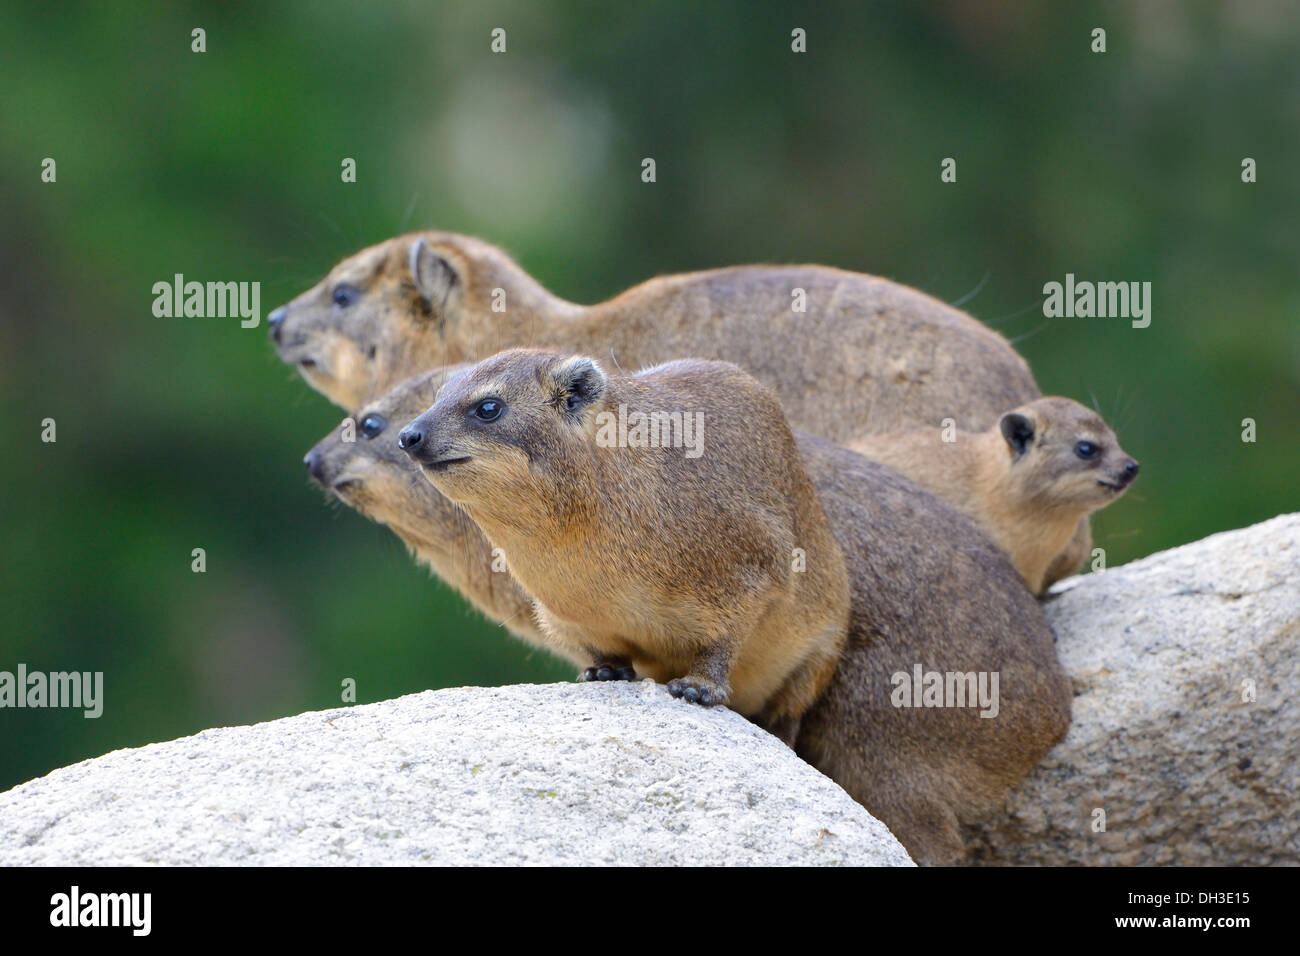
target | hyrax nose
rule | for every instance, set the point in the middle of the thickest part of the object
(315, 464)
(409, 439)
(1130, 470)
(274, 320)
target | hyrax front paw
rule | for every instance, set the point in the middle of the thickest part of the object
(609, 672)
(698, 690)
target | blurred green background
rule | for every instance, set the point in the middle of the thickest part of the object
(182, 433)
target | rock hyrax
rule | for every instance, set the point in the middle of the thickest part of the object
(849, 354)
(1029, 482)
(663, 521)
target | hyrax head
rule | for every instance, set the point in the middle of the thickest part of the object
(360, 463)
(389, 312)
(508, 428)
(1063, 454)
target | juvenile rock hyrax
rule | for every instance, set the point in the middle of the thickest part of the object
(662, 521)
(849, 354)
(927, 587)
(1029, 481)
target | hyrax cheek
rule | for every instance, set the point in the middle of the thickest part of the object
(346, 359)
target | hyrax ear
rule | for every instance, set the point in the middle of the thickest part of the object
(1018, 430)
(579, 382)
(434, 276)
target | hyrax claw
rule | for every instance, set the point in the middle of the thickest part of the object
(697, 691)
(605, 672)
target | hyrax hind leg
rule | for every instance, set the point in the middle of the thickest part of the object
(894, 785)
(783, 713)
(926, 827)
(1070, 560)
(784, 729)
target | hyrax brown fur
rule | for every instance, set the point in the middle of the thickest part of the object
(1028, 482)
(926, 587)
(867, 354)
(930, 591)
(662, 521)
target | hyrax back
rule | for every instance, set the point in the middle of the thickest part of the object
(662, 521)
(1030, 482)
(850, 354)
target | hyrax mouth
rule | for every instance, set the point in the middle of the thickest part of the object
(445, 463)
(1112, 485)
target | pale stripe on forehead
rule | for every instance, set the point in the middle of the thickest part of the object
(1092, 428)
(492, 389)
(1066, 415)
(363, 264)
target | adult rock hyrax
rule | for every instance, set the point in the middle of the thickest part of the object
(848, 353)
(1029, 481)
(926, 587)
(662, 521)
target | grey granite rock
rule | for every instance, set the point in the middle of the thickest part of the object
(528, 774)
(1186, 729)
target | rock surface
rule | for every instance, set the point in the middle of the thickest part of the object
(528, 774)
(1186, 730)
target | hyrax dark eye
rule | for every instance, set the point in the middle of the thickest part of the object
(344, 295)
(372, 425)
(488, 410)
(1086, 450)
